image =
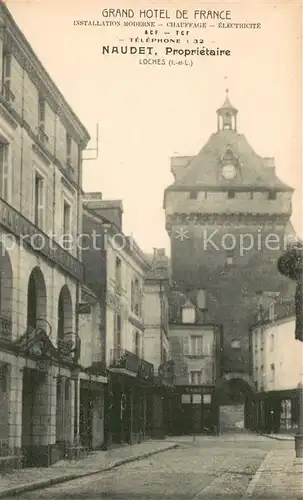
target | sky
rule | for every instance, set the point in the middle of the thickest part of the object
(146, 114)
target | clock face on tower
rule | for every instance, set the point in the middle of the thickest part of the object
(229, 171)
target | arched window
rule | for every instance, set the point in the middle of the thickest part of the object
(36, 298)
(65, 312)
(6, 293)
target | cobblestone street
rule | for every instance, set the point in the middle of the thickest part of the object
(208, 468)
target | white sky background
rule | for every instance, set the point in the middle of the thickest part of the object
(147, 114)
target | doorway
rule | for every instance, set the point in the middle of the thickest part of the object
(86, 418)
(33, 411)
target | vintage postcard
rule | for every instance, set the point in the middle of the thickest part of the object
(151, 249)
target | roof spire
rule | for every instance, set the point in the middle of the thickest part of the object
(227, 114)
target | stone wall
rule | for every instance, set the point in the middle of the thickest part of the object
(231, 288)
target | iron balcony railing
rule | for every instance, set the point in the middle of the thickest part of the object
(123, 359)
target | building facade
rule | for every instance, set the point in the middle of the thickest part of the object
(92, 377)
(276, 367)
(196, 349)
(41, 143)
(156, 341)
(115, 270)
(227, 215)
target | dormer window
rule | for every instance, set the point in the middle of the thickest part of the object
(188, 313)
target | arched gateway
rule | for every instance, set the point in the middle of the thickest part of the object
(234, 397)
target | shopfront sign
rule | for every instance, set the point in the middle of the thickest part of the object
(192, 389)
(23, 229)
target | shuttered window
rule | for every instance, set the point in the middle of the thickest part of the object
(4, 171)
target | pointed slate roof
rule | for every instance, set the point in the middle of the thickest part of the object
(204, 169)
(227, 104)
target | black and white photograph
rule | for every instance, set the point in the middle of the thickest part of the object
(151, 250)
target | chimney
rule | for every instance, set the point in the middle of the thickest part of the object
(266, 298)
(110, 209)
(201, 299)
(269, 163)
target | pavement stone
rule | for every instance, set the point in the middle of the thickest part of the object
(228, 467)
(30, 479)
(206, 468)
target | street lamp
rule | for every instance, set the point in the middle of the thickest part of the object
(290, 265)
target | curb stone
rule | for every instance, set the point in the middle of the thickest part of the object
(10, 492)
(253, 483)
(277, 438)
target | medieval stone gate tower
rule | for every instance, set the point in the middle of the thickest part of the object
(227, 214)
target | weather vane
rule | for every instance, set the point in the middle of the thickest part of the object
(226, 89)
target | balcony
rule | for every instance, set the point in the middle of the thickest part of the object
(121, 359)
(5, 327)
(97, 368)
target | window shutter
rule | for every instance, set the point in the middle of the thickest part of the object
(7, 71)
(118, 330)
(74, 156)
(4, 171)
(41, 204)
(200, 345)
(132, 296)
(186, 346)
(7, 66)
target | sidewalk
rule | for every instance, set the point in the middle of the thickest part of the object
(31, 479)
(280, 476)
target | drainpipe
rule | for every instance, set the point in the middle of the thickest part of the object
(161, 321)
(107, 391)
(161, 348)
(79, 257)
